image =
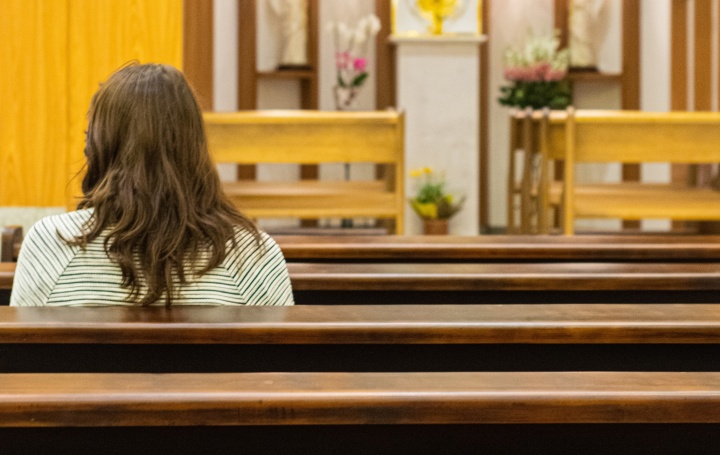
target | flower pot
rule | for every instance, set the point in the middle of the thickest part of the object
(435, 227)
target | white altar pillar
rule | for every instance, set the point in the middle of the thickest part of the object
(438, 87)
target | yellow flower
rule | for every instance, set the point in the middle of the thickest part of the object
(416, 173)
(427, 210)
(427, 170)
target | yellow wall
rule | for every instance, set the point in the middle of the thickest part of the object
(54, 53)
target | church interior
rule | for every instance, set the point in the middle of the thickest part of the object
(500, 221)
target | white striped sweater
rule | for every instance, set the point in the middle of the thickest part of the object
(50, 272)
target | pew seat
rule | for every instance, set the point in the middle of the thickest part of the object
(505, 248)
(106, 400)
(357, 412)
(473, 283)
(628, 337)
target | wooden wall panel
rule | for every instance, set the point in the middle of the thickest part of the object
(104, 36)
(33, 118)
(65, 49)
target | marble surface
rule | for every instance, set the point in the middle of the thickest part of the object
(438, 88)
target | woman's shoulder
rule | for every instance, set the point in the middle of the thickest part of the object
(257, 243)
(66, 225)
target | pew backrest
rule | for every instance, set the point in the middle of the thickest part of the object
(107, 400)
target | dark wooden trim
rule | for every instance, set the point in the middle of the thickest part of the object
(384, 58)
(485, 100)
(703, 55)
(247, 69)
(365, 325)
(561, 22)
(198, 49)
(309, 87)
(247, 62)
(631, 79)
(498, 248)
(678, 56)
(562, 14)
(679, 83)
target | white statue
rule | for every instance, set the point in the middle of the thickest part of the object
(582, 40)
(293, 16)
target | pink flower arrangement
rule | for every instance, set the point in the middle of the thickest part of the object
(537, 73)
(351, 47)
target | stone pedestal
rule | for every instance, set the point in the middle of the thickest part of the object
(438, 87)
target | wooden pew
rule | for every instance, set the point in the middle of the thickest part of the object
(431, 283)
(434, 283)
(440, 404)
(10, 243)
(587, 136)
(500, 248)
(380, 338)
(314, 138)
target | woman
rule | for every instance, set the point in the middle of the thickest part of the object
(153, 226)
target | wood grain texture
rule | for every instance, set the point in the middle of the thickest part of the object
(376, 324)
(663, 248)
(703, 55)
(7, 274)
(247, 62)
(587, 276)
(504, 277)
(34, 83)
(631, 80)
(384, 58)
(198, 49)
(67, 48)
(96, 400)
(10, 246)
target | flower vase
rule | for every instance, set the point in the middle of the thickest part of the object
(433, 226)
(346, 98)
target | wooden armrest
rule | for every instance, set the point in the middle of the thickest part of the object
(11, 239)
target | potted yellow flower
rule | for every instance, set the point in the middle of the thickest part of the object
(432, 203)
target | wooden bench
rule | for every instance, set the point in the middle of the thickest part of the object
(500, 248)
(467, 283)
(577, 137)
(311, 138)
(306, 405)
(557, 282)
(10, 243)
(610, 337)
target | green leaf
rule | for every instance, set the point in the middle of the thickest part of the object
(359, 79)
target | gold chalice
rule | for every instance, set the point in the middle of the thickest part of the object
(437, 11)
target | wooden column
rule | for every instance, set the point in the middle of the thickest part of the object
(631, 79)
(485, 100)
(198, 49)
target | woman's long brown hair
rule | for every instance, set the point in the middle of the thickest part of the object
(155, 192)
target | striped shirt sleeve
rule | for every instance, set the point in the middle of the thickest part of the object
(260, 272)
(43, 258)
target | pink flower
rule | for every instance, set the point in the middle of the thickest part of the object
(555, 75)
(360, 64)
(541, 70)
(342, 60)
